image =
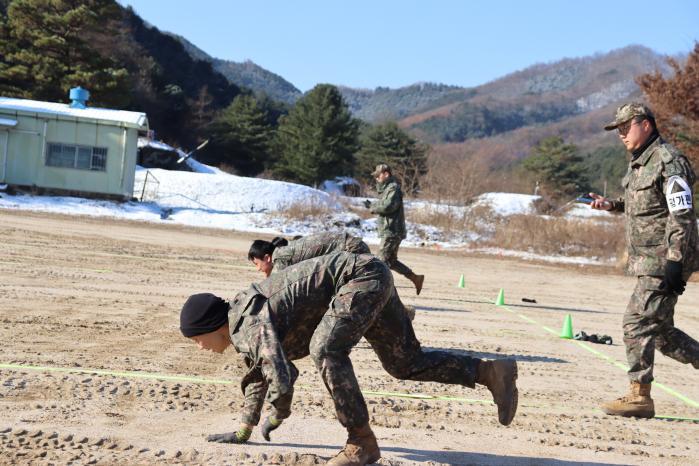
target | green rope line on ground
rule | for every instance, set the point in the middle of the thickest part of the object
(611, 360)
(200, 380)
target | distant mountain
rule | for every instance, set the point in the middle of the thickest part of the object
(393, 104)
(246, 74)
(538, 95)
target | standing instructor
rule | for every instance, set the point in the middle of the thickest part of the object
(661, 238)
(391, 224)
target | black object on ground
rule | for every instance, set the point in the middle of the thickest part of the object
(593, 338)
(528, 300)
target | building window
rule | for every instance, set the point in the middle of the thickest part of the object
(80, 157)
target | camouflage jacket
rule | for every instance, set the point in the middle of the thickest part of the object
(660, 221)
(315, 246)
(389, 207)
(272, 322)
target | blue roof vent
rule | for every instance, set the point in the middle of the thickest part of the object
(79, 96)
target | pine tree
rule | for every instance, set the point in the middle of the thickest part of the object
(558, 167)
(387, 143)
(318, 138)
(47, 49)
(242, 135)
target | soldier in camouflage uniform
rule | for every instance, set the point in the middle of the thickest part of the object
(391, 224)
(661, 238)
(322, 307)
(278, 254)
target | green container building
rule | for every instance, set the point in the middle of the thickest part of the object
(69, 149)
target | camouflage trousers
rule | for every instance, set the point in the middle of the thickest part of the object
(649, 325)
(388, 252)
(369, 307)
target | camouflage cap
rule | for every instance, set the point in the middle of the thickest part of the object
(628, 111)
(380, 168)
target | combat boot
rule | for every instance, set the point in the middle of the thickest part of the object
(417, 280)
(637, 403)
(361, 448)
(500, 376)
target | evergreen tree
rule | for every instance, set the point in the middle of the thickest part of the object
(318, 138)
(47, 49)
(557, 166)
(387, 143)
(242, 135)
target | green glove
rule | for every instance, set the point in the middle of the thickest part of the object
(269, 425)
(241, 436)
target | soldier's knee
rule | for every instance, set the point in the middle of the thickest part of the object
(399, 372)
(318, 351)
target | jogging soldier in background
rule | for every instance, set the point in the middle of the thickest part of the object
(661, 237)
(391, 223)
(279, 253)
(323, 307)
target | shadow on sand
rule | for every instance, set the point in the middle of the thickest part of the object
(456, 458)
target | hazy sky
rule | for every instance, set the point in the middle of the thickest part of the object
(395, 43)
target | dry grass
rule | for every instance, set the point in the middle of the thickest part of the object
(557, 235)
(532, 233)
(454, 221)
(306, 210)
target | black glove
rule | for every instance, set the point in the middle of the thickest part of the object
(269, 425)
(673, 277)
(238, 437)
(367, 203)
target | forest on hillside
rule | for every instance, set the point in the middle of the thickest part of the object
(480, 138)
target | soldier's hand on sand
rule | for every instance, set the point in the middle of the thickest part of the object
(269, 425)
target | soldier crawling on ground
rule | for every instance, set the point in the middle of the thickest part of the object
(323, 307)
(278, 254)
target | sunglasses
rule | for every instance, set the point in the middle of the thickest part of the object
(624, 129)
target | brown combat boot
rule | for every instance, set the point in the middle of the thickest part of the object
(417, 280)
(637, 403)
(361, 448)
(500, 376)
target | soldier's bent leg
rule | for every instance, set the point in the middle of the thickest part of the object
(647, 314)
(352, 311)
(676, 344)
(388, 252)
(393, 339)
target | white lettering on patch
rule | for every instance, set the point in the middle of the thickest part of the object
(678, 194)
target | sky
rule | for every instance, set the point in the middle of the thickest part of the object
(394, 43)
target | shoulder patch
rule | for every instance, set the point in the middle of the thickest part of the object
(678, 194)
(666, 155)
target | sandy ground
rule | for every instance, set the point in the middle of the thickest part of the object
(89, 316)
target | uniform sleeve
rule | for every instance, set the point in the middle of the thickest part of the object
(277, 372)
(254, 388)
(677, 188)
(389, 202)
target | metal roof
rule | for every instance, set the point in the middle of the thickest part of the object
(133, 119)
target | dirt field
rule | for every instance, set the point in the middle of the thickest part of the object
(89, 314)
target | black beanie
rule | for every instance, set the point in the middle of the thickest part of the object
(203, 313)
